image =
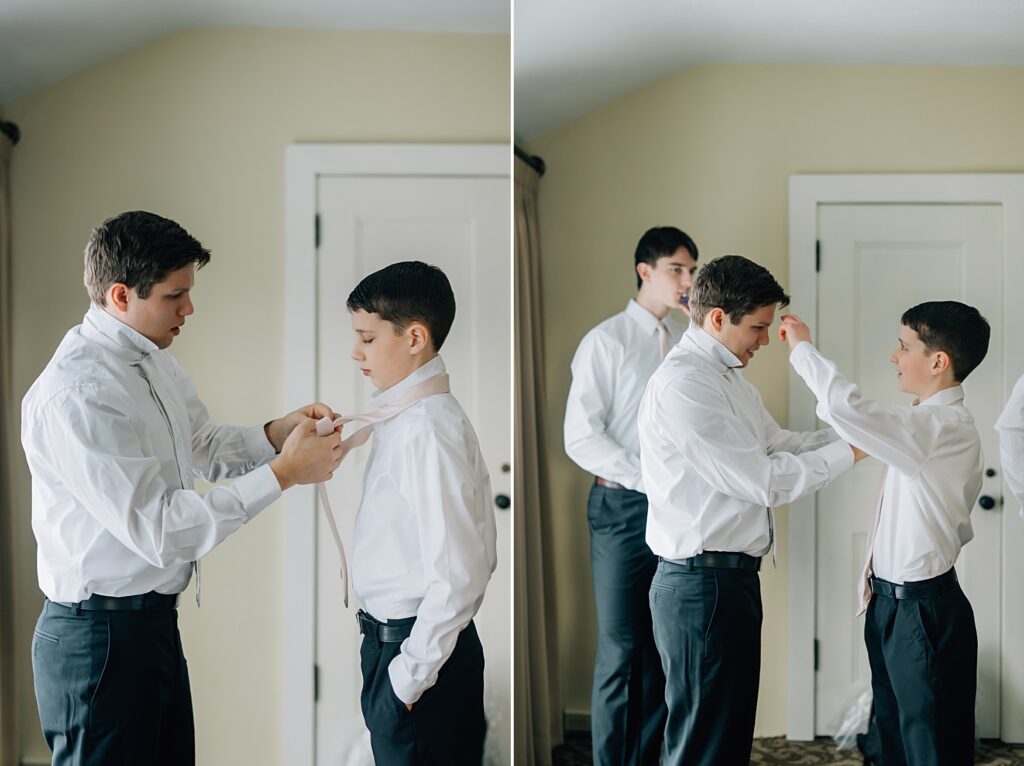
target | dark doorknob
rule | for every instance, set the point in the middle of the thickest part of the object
(986, 502)
(502, 501)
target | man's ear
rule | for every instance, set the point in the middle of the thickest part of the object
(717, 318)
(644, 270)
(117, 296)
(419, 337)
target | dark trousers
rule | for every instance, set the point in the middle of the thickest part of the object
(924, 668)
(112, 687)
(628, 697)
(445, 727)
(707, 625)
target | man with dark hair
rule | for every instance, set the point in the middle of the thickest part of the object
(920, 633)
(609, 372)
(424, 540)
(114, 434)
(714, 463)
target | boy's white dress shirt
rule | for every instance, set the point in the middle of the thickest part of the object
(1011, 442)
(935, 467)
(714, 460)
(113, 509)
(610, 370)
(425, 538)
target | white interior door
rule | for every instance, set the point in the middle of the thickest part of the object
(460, 224)
(877, 261)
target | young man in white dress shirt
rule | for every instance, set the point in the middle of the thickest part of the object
(114, 434)
(714, 463)
(1011, 442)
(424, 540)
(609, 372)
(920, 633)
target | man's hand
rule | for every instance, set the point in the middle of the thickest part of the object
(277, 430)
(305, 457)
(793, 330)
(858, 454)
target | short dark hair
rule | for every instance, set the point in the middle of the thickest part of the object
(956, 328)
(137, 249)
(736, 285)
(407, 292)
(660, 242)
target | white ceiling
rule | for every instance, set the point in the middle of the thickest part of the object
(44, 41)
(572, 56)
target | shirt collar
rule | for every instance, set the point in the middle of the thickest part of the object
(434, 367)
(647, 321)
(712, 348)
(114, 335)
(950, 395)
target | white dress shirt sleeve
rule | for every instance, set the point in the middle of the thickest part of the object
(456, 563)
(902, 437)
(587, 442)
(102, 463)
(783, 440)
(221, 452)
(728, 455)
(1011, 442)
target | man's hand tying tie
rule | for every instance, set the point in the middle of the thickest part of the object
(277, 430)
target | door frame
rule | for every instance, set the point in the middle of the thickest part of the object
(304, 165)
(806, 193)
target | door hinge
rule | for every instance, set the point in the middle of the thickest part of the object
(316, 229)
(316, 682)
(815, 655)
(817, 254)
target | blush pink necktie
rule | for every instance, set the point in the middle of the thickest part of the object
(664, 341)
(430, 387)
(865, 578)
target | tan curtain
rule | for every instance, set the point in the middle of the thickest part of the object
(7, 442)
(538, 695)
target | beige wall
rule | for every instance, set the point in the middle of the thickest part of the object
(194, 127)
(711, 150)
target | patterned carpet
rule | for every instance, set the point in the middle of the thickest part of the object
(777, 751)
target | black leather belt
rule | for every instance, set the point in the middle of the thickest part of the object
(141, 602)
(385, 632)
(718, 560)
(919, 589)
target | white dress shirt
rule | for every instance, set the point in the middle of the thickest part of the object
(113, 509)
(425, 538)
(1011, 442)
(715, 461)
(609, 373)
(935, 467)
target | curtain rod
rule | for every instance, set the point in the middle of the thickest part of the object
(10, 130)
(532, 160)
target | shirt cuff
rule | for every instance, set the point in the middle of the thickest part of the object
(838, 456)
(257, 489)
(257, 444)
(405, 687)
(802, 351)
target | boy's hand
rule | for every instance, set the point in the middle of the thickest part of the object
(305, 457)
(277, 430)
(793, 330)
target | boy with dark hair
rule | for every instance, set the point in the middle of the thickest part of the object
(714, 463)
(114, 434)
(609, 372)
(424, 540)
(920, 634)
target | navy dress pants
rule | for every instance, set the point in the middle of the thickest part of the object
(446, 726)
(707, 625)
(112, 687)
(628, 697)
(924, 668)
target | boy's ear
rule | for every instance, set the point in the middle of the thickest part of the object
(940, 363)
(419, 337)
